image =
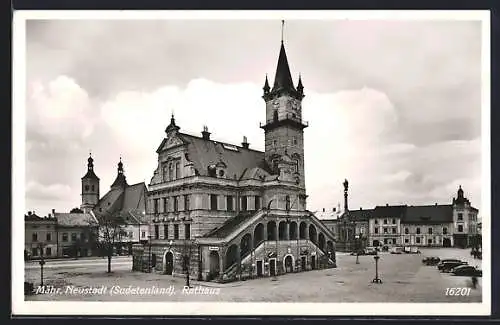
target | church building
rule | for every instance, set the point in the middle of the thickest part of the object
(221, 212)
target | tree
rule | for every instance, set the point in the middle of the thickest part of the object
(76, 210)
(109, 232)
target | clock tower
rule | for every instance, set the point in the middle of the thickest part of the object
(284, 128)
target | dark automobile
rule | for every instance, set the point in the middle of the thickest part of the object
(371, 251)
(467, 270)
(441, 263)
(359, 252)
(448, 266)
(431, 260)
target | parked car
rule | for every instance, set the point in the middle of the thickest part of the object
(371, 251)
(448, 266)
(411, 250)
(467, 270)
(397, 250)
(431, 260)
(446, 260)
(359, 252)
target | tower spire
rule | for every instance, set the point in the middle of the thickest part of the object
(282, 28)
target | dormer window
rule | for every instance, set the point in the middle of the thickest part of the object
(221, 173)
(212, 171)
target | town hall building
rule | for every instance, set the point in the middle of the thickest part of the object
(222, 211)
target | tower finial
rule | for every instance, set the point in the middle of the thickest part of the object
(282, 27)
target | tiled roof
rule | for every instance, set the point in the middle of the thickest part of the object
(35, 218)
(361, 215)
(327, 215)
(395, 211)
(429, 214)
(74, 219)
(204, 152)
(229, 226)
(129, 203)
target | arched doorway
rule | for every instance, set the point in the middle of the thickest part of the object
(313, 236)
(446, 242)
(245, 245)
(271, 230)
(288, 264)
(322, 241)
(282, 230)
(258, 235)
(168, 264)
(231, 256)
(214, 265)
(293, 230)
(302, 230)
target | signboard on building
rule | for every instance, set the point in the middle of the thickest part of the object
(213, 248)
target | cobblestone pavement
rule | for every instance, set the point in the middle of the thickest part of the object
(405, 279)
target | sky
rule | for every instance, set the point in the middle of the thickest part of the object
(392, 106)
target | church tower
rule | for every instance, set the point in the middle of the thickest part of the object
(284, 128)
(90, 187)
(120, 180)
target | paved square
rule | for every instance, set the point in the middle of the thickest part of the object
(405, 279)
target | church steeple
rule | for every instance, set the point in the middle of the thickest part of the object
(120, 180)
(90, 187)
(172, 127)
(283, 79)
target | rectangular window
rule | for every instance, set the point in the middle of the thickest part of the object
(376, 221)
(82, 236)
(48, 251)
(73, 236)
(407, 240)
(394, 230)
(143, 234)
(385, 230)
(385, 241)
(34, 251)
(49, 236)
(157, 232)
(257, 202)
(65, 236)
(186, 202)
(460, 216)
(460, 228)
(176, 231)
(376, 230)
(213, 202)
(407, 231)
(417, 240)
(155, 205)
(229, 203)
(177, 170)
(393, 221)
(34, 237)
(243, 203)
(445, 231)
(385, 221)
(165, 231)
(176, 203)
(430, 231)
(418, 230)
(187, 231)
(429, 241)
(165, 204)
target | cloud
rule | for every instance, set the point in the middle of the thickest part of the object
(37, 191)
(392, 106)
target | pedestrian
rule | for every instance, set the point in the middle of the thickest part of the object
(474, 282)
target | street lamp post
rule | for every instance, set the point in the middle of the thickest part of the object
(377, 279)
(186, 259)
(357, 249)
(149, 259)
(42, 263)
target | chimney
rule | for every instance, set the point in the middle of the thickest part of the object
(360, 208)
(323, 209)
(387, 204)
(53, 212)
(205, 134)
(245, 143)
(436, 204)
(29, 213)
(334, 209)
